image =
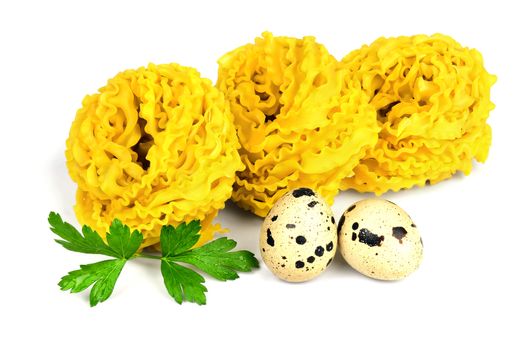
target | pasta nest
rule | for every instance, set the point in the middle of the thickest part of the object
(432, 98)
(299, 121)
(155, 146)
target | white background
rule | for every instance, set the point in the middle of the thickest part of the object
(468, 292)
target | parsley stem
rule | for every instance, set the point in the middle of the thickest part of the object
(148, 256)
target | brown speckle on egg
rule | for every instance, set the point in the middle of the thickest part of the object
(319, 251)
(269, 238)
(303, 192)
(340, 225)
(369, 238)
(300, 240)
(399, 233)
(312, 204)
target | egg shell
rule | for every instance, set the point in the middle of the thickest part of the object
(298, 238)
(379, 239)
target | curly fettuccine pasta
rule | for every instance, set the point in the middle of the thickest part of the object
(432, 98)
(154, 146)
(299, 121)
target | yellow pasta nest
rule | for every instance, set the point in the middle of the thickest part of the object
(299, 121)
(155, 146)
(432, 98)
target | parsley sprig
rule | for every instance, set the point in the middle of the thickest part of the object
(182, 283)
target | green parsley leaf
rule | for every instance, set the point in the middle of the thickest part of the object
(90, 243)
(174, 241)
(102, 274)
(122, 244)
(214, 258)
(121, 241)
(217, 261)
(182, 283)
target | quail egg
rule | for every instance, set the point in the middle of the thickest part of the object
(380, 240)
(299, 236)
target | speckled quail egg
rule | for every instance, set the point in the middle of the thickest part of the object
(299, 236)
(380, 240)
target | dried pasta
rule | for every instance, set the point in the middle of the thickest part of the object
(154, 146)
(299, 121)
(432, 98)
